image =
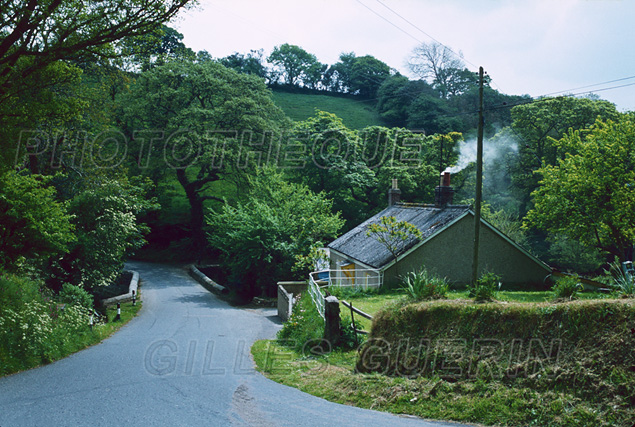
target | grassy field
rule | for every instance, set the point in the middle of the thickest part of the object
(356, 114)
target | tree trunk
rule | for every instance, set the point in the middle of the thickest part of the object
(197, 216)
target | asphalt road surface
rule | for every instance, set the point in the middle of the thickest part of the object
(184, 361)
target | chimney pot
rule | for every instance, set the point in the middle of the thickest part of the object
(394, 194)
(445, 179)
(444, 193)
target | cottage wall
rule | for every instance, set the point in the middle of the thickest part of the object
(449, 254)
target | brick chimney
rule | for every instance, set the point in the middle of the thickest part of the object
(394, 194)
(444, 193)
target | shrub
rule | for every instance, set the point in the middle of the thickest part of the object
(105, 215)
(350, 339)
(71, 294)
(621, 283)
(423, 285)
(485, 287)
(16, 291)
(567, 288)
(33, 224)
(263, 238)
(33, 330)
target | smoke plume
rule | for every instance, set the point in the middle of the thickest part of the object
(494, 150)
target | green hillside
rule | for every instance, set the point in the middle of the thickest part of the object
(355, 114)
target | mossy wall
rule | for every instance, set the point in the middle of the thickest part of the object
(586, 348)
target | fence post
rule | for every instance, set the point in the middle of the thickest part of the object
(332, 327)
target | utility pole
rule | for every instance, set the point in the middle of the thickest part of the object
(479, 178)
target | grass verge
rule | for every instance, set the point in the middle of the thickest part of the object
(590, 382)
(332, 377)
(60, 344)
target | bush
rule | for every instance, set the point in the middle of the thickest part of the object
(263, 238)
(567, 288)
(423, 285)
(485, 287)
(71, 294)
(33, 329)
(350, 339)
(105, 215)
(33, 224)
(16, 291)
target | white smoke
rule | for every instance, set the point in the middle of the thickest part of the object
(493, 150)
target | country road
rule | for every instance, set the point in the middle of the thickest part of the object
(184, 361)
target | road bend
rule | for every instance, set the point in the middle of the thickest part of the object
(183, 361)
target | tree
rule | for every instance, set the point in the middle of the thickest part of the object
(539, 126)
(329, 162)
(393, 234)
(431, 115)
(209, 116)
(396, 154)
(42, 46)
(395, 96)
(263, 237)
(251, 63)
(162, 45)
(36, 34)
(293, 64)
(355, 169)
(342, 72)
(438, 65)
(589, 195)
(33, 224)
(358, 75)
(105, 213)
(497, 113)
(367, 73)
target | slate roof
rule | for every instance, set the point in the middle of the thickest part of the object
(430, 220)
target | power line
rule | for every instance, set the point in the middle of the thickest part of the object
(433, 39)
(390, 22)
(423, 32)
(544, 98)
(588, 86)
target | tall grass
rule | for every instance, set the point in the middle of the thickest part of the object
(305, 327)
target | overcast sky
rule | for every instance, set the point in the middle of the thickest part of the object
(534, 47)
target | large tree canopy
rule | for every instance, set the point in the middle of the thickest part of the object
(539, 127)
(43, 45)
(40, 32)
(214, 121)
(590, 195)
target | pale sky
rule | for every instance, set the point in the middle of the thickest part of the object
(534, 47)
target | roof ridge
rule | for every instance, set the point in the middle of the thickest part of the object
(428, 205)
